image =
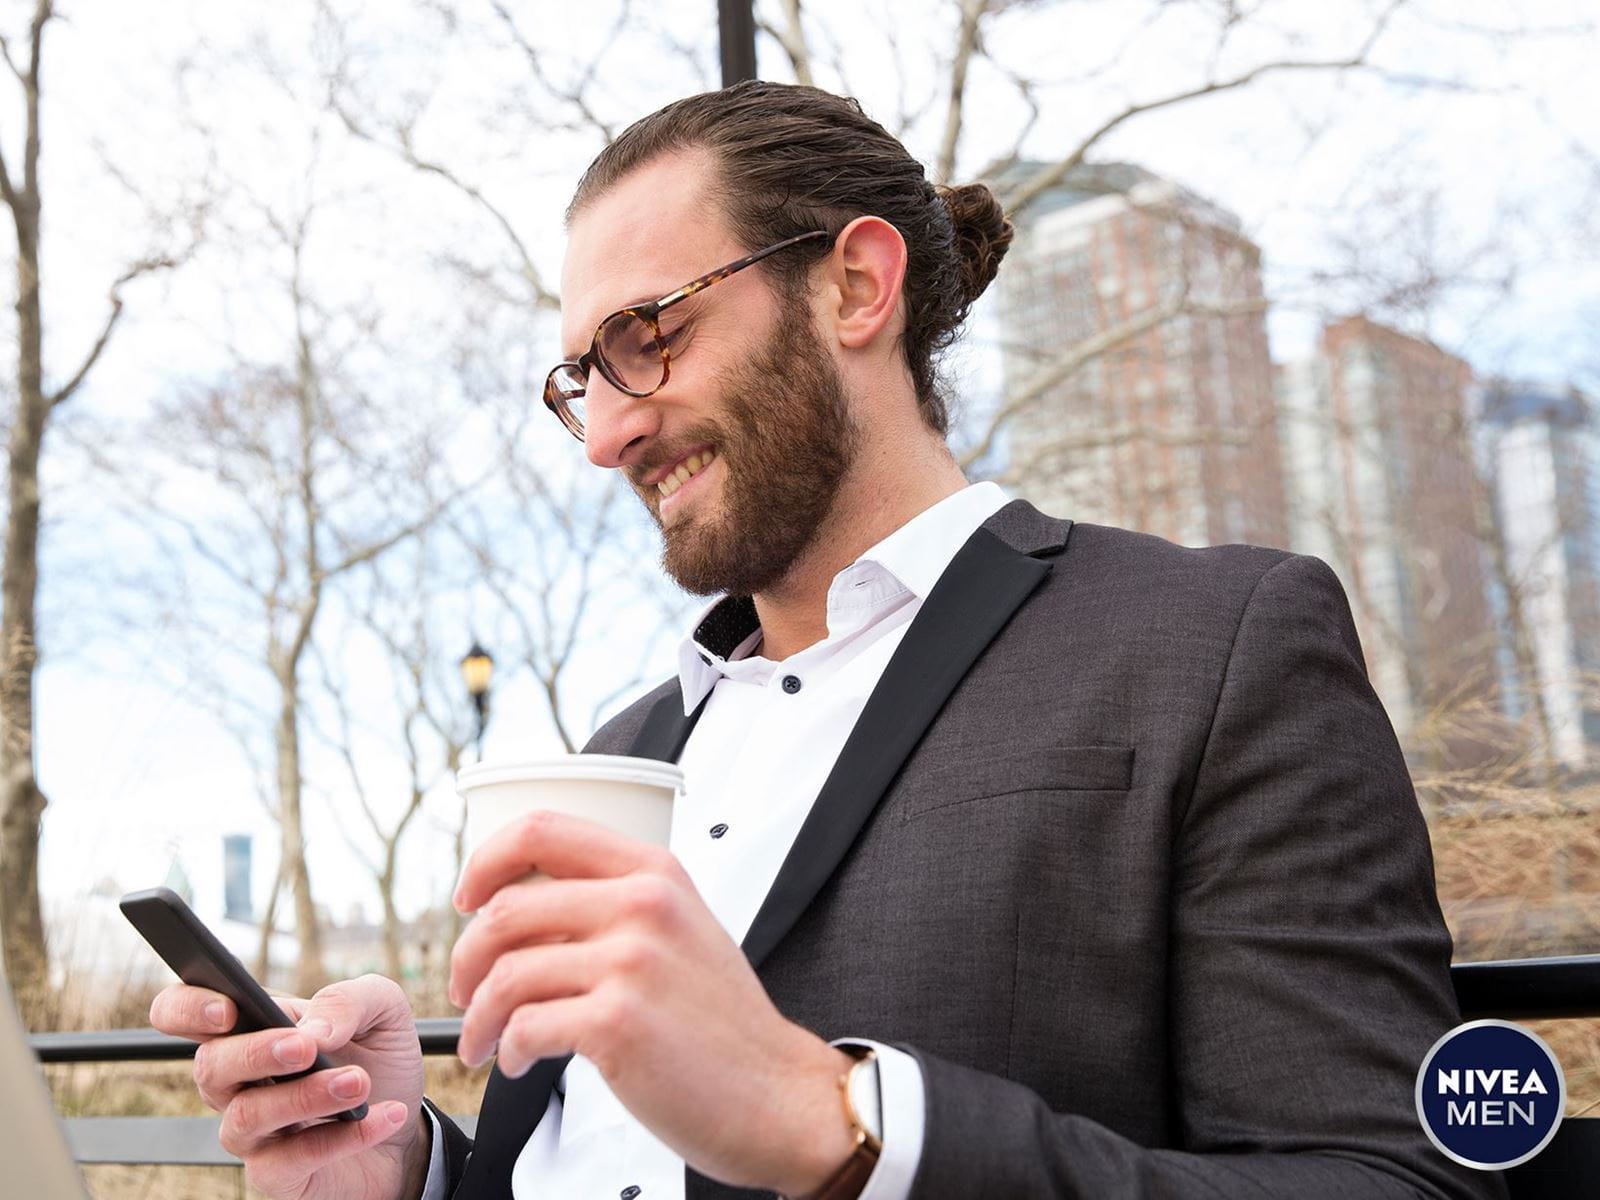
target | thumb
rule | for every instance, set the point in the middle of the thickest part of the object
(292, 1005)
(346, 1010)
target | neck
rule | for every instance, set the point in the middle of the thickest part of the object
(889, 484)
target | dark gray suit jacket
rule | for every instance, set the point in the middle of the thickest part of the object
(1123, 851)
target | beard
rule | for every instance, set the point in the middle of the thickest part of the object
(785, 440)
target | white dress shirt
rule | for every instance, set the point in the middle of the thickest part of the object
(753, 765)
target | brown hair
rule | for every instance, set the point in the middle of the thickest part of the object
(792, 159)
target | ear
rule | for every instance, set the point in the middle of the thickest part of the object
(866, 269)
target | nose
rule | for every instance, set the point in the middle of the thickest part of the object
(616, 426)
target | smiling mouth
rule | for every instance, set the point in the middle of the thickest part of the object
(686, 470)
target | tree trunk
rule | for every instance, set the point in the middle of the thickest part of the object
(392, 966)
(21, 918)
(457, 921)
(1521, 639)
(310, 974)
(269, 926)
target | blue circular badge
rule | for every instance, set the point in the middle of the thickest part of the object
(1490, 1094)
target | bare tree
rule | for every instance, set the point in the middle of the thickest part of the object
(566, 85)
(429, 730)
(309, 471)
(559, 559)
(22, 804)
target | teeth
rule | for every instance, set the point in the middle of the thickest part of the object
(687, 469)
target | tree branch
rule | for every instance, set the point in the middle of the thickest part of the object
(966, 46)
(792, 37)
(343, 746)
(42, 13)
(1026, 92)
(7, 192)
(542, 296)
(144, 267)
(5, 52)
(1068, 363)
(575, 96)
(1016, 201)
(373, 549)
(1078, 356)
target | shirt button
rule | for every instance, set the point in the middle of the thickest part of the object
(791, 684)
(629, 1192)
(718, 830)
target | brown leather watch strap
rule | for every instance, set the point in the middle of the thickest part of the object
(851, 1178)
(848, 1181)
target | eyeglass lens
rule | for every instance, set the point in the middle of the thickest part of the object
(630, 356)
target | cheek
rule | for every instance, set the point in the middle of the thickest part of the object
(705, 351)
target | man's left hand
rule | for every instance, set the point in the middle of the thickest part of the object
(613, 955)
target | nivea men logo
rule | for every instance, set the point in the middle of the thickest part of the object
(1490, 1094)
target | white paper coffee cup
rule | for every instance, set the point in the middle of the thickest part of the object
(633, 796)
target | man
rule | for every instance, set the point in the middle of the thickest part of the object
(1101, 847)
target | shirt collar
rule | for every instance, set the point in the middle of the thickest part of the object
(916, 554)
(919, 551)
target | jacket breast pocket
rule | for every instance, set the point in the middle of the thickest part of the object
(1063, 769)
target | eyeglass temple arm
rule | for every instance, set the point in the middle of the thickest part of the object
(721, 273)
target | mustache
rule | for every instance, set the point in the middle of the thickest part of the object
(659, 458)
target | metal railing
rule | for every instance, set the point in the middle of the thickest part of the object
(1519, 989)
(1529, 989)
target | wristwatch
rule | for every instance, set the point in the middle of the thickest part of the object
(858, 1089)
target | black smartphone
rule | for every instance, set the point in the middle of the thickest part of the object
(193, 951)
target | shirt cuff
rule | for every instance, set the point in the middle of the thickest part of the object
(901, 1101)
(433, 1189)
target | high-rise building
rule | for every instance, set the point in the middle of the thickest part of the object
(1543, 451)
(236, 900)
(1133, 323)
(1383, 485)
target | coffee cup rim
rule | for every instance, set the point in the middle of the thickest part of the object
(620, 768)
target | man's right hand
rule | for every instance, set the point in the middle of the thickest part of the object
(291, 1150)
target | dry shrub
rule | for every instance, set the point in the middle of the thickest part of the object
(1516, 843)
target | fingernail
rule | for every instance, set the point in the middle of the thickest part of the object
(217, 1013)
(317, 1028)
(487, 1055)
(346, 1085)
(290, 1051)
(397, 1114)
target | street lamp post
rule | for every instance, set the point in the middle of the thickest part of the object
(736, 26)
(477, 670)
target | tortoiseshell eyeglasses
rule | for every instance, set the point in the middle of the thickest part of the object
(630, 348)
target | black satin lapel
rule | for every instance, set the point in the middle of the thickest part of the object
(512, 1108)
(510, 1111)
(985, 583)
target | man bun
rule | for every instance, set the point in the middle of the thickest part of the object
(983, 235)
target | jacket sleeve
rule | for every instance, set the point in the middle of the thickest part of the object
(1308, 963)
(457, 1145)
